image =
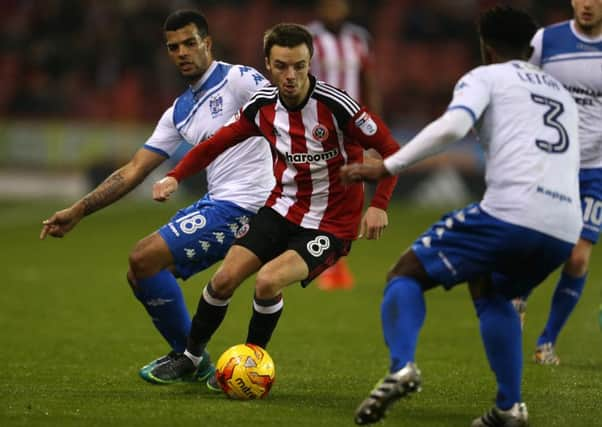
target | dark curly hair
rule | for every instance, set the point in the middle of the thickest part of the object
(507, 30)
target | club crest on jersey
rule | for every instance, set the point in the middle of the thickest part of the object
(366, 124)
(320, 132)
(216, 105)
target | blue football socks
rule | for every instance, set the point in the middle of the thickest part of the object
(402, 314)
(567, 293)
(162, 297)
(502, 338)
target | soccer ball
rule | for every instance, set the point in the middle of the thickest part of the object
(245, 371)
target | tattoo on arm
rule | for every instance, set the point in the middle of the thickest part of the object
(110, 190)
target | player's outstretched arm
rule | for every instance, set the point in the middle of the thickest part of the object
(434, 138)
(370, 171)
(450, 127)
(118, 184)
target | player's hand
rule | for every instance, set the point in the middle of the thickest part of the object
(61, 222)
(373, 224)
(163, 188)
(357, 172)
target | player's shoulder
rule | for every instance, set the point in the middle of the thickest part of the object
(265, 96)
(239, 74)
(268, 92)
(501, 72)
(335, 98)
(560, 34)
(315, 27)
(562, 40)
(239, 70)
(559, 27)
(486, 77)
(217, 74)
(502, 76)
(499, 69)
(481, 72)
(356, 30)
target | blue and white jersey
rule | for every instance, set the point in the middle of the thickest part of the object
(576, 61)
(527, 123)
(243, 174)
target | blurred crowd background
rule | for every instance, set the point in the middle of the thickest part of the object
(105, 59)
(91, 62)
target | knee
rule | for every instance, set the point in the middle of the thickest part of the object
(223, 284)
(410, 266)
(398, 269)
(392, 274)
(401, 268)
(577, 264)
(140, 265)
(406, 265)
(267, 286)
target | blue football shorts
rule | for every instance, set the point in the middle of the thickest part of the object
(590, 187)
(469, 244)
(201, 234)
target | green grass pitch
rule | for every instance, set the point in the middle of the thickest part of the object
(73, 338)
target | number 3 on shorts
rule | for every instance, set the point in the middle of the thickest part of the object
(317, 246)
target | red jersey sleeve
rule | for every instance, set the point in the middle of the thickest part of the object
(207, 151)
(371, 132)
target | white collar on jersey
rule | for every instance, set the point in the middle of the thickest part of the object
(197, 85)
(582, 37)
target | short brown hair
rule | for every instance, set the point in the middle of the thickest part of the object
(288, 35)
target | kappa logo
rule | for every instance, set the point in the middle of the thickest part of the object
(219, 236)
(190, 253)
(320, 132)
(157, 302)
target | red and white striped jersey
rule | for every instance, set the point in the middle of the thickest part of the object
(311, 143)
(339, 59)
